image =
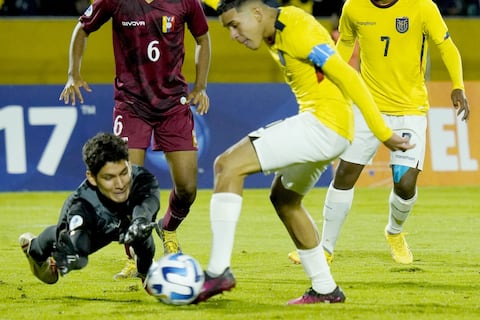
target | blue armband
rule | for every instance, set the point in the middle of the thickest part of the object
(320, 54)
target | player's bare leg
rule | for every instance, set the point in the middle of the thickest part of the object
(231, 168)
(183, 170)
(304, 233)
(401, 201)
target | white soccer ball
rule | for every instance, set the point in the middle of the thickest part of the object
(176, 279)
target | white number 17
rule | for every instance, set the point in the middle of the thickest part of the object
(11, 121)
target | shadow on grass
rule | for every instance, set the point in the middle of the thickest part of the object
(76, 298)
(412, 285)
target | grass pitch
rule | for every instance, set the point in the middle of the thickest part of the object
(442, 283)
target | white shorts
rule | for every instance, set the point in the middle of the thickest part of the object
(365, 144)
(299, 148)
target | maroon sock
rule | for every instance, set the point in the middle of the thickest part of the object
(177, 211)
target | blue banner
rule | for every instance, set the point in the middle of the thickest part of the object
(41, 138)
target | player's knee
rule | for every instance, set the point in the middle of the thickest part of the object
(284, 201)
(405, 180)
(275, 199)
(219, 164)
(185, 193)
(347, 175)
(224, 167)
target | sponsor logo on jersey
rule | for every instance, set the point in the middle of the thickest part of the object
(168, 24)
(366, 23)
(401, 24)
(133, 23)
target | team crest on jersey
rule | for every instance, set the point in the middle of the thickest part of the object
(402, 24)
(168, 24)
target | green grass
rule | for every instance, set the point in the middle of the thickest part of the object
(442, 283)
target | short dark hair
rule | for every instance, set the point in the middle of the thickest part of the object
(225, 5)
(103, 148)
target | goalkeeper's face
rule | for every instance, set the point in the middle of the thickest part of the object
(113, 180)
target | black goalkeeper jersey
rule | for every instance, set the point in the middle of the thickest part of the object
(87, 209)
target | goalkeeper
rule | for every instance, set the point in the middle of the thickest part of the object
(117, 202)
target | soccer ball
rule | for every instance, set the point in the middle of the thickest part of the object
(176, 279)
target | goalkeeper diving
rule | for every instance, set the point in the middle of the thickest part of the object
(116, 202)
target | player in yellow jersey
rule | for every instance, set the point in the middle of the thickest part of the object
(393, 37)
(298, 149)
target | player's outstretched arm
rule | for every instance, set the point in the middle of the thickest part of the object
(348, 80)
(71, 91)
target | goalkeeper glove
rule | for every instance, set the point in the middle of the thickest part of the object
(65, 255)
(139, 230)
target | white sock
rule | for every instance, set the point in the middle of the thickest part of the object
(317, 269)
(335, 211)
(224, 213)
(399, 211)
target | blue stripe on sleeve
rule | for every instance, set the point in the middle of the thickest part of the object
(320, 54)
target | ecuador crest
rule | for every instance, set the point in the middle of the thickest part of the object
(401, 24)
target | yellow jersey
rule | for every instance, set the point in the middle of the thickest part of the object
(393, 49)
(296, 35)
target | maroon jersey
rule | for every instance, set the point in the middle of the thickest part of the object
(148, 44)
